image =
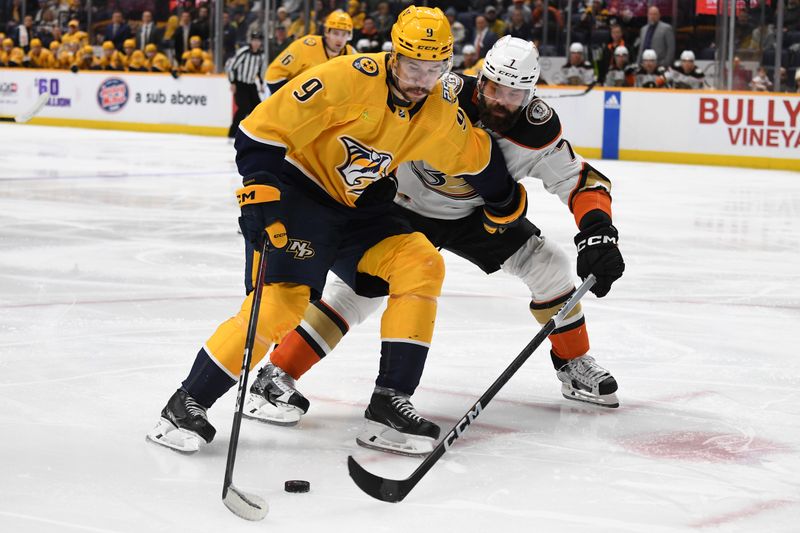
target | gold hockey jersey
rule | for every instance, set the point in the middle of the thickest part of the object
(338, 125)
(298, 57)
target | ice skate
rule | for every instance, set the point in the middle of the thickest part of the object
(585, 381)
(274, 399)
(393, 425)
(184, 425)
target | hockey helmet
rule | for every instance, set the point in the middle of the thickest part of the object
(423, 33)
(339, 20)
(621, 51)
(649, 55)
(514, 63)
(576, 48)
(36, 43)
(687, 55)
(129, 43)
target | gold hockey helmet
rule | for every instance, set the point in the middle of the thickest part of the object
(339, 20)
(423, 33)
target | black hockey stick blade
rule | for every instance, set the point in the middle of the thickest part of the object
(244, 504)
(387, 490)
(395, 490)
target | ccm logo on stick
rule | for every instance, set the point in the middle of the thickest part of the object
(462, 425)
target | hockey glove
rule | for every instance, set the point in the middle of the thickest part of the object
(598, 254)
(498, 218)
(259, 201)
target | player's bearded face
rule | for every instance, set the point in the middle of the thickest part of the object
(335, 40)
(500, 106)
(415, 78)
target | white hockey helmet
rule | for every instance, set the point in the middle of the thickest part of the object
(512, 62)
(649, 55)
(687, 55)
(621, 51)
(576, 48)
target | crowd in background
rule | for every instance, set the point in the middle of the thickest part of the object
(176, 35)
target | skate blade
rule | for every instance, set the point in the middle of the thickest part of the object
(257, 408)
(382, 438)
(608, 400)
(167, 434)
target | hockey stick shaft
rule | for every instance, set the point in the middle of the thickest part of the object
(25, 116)
(233, 444)
(390, 490)
(582, 93)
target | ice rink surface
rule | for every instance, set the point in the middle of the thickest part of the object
(119, 256)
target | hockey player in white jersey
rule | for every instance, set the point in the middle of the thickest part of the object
(449, 212)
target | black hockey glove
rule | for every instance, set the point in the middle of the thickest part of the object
(379, 192)
(598, 254)
(259, 201)
(498, 218)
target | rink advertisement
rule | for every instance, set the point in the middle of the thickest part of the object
(116, 100)
(700, 127)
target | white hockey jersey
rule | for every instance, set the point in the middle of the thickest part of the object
(534, 147)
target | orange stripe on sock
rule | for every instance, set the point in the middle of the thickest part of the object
(294, 355)
(571, 343)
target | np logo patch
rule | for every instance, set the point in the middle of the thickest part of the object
(366, 65)
(310, 41)
(300, 249)
(362, 165)
(538, 112)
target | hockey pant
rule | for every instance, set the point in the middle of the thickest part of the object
(539, 263)
(414, 271)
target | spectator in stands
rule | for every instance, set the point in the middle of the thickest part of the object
(743, 30)
(594, 16)
(761, 82)
(298, 27)
(621, 73)
(496, 25)
(659, 36)
(168, 39)
(196, 64)
(607, 57)
(383, 18)
(741, 76)
(577, 71)
(112, 59)
(518, 27)
(484, 38)
(356, 13)
(650, 75)
(685, 74)
(147, 33)
(155, 60)
(283, 18)
(278, 42)
(228, 37)
(370, 32)
(469, 57)
(202, 25)
(182, 34)
(555, 22)
(24, 33)
(458, 29)
(519, 5)
(791, 15)
(39, 56)
(47, 27)
(117, 30)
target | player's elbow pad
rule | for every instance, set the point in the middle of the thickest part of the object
(499, 217)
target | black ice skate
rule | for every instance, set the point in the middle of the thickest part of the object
(394, 426)
(584, 380)
(184, 425)
(273, 398)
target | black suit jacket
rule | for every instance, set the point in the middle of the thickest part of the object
(123, 32)
(178, 40)
(154, 36)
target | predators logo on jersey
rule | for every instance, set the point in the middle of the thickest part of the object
(362, 165)
(443, 184)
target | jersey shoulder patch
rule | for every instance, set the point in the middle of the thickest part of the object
(538, 112)
(540, 127)
(310, 41)
(366, 65)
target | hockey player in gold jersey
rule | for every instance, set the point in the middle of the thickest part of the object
(317, 160)
(311, 51)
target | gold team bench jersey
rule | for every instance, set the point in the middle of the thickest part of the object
(337, 125)
(298, 57)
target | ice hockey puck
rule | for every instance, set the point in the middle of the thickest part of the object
(297, 485)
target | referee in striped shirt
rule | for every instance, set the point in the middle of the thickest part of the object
(245, 75)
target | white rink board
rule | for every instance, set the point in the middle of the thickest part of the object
(106, 96)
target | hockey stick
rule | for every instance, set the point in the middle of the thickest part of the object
(243, 504)
(30, 113)
(582, 93)
(394, 490)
